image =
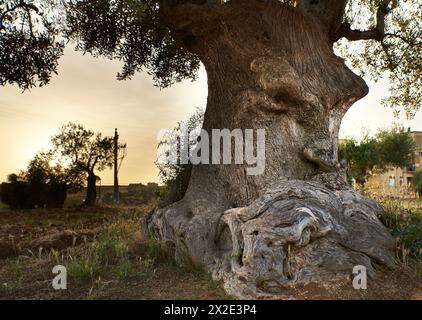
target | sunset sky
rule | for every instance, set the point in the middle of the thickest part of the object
(86, 91)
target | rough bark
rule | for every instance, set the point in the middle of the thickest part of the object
(271, 66)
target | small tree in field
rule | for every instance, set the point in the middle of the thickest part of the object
(86, 152)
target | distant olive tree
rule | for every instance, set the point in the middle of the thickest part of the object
(86, 152)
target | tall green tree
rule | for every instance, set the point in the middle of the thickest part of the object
(389, 148)
(87, 152)
(361, 157)
(396, 147)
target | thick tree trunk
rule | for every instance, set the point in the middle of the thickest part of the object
(272, 67)
(91, 190)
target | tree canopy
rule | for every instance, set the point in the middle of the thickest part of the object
(84, 149)
(86, 152)
(29, 42)
(378, 37)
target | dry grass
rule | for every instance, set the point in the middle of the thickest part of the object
(114, 264)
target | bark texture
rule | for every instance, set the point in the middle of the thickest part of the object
(272, 67)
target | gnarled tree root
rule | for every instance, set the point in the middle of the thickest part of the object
(299, 233)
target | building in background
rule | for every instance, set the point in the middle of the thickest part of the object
(398, 181)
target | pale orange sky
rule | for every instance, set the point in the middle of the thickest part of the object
(86, 91)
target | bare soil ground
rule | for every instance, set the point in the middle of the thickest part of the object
(105, 259)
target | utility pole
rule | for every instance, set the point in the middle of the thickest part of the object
(116, 196)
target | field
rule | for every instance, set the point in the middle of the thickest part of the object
(105, 259)
(102, 253)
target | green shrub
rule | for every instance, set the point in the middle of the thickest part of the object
(108, 253)
(406, 226)
(84, 268)
(123, 268)
(152, 249)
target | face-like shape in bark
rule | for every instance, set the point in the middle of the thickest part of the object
(301, 229)
(284, 77)
(270, 67)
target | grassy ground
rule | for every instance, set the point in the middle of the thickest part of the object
(105, 259)
(109, 263)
